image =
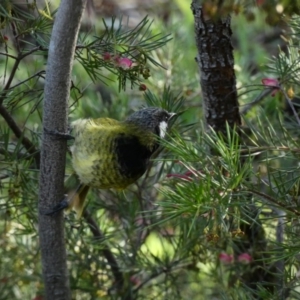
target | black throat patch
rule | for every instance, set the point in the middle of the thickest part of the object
(132, 156)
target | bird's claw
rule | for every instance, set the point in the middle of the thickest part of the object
(57, 208)
(59, 135)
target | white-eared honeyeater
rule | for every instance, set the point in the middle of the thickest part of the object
(112, 154)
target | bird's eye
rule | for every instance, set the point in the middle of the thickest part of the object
(166, 118)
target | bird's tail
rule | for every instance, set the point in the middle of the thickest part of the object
(76, 198)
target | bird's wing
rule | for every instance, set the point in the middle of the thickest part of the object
(105, 122)
(87, 126)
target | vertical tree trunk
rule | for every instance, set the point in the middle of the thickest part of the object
(218, 83)
(217, 77)
(57, 89)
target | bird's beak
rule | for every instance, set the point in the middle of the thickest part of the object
(172, 115)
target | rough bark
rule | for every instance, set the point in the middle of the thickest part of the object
(217, 77)
(220, 101)
(57, 89)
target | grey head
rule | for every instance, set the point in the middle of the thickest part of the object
(152, 118)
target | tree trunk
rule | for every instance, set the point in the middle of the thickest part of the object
(57, 89)
(217, 77)
(218, 83)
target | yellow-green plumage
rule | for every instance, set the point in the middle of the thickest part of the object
(111, 154)
(93, 153)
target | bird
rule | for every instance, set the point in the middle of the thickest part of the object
(108, 153)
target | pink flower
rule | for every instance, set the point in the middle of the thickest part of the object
(107, 56)
(124, 63)
(271, 82)
(121, 62)
(245, 258)
(226, 258)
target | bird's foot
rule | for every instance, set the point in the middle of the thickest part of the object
(57, 208)
(59, 135)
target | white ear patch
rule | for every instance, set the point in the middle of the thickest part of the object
(163, 128)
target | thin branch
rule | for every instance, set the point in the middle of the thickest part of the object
(6, 64)
(29, 146)
(14, 31)
(8, 55)
(41, 48)
(4, 177)
(10, 79)
(280, 263)
(14, 70)
(257, 100)
(287, 98)
(274, 201)
(167, 269)
(143, 230)
(259, 149)
(118, 275)
(13, 154)
(27, 79)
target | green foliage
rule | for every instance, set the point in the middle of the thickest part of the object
(166, 231)
(273, 9)
(119, 41)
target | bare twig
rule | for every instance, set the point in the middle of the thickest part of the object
(118, 275)
(266, 92)
(175, 265)
(143, 229)
(13, 72)
(251, 150)
(4, 177)
(38, 74)
(16, 36)
(8, 55)
(274, 201)
(29, 146)
(289, 101)
(280, 263)
(14, 69)
(19, 155)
